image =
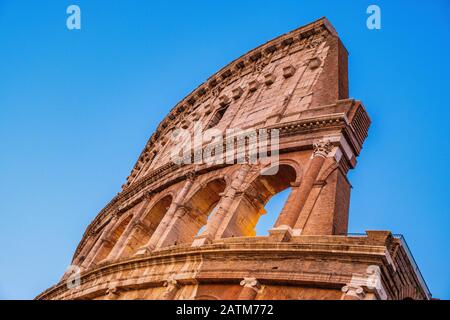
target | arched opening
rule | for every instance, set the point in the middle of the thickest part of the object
(203, 229)
(254, 200)
(199, 208)
(143, 231)
(113, 238)
(273, 209)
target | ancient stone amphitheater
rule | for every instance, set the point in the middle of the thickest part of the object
(187, 231)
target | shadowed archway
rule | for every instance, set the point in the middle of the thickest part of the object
(147, 225)
(197, 210)
(254, 199)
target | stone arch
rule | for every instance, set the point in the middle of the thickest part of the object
(295, 165)
(323, 176)
(112, 238)
(146, 224)
(196, 209)
(255, 194)
(282, 162)
(203, 181)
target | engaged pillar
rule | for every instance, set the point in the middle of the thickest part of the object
(250, 289)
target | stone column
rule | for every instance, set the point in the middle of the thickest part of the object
(176, 230)
(112, 293)
(250, 289)
(290, 202)
(352, 292)
(366, 286)
(169, 216)
(121, 243)
(223, 208)
(104, 237)
(172, 287)
(297, 200)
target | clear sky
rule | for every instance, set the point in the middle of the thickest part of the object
(77, 107)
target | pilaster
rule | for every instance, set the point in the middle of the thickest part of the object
(250, 289)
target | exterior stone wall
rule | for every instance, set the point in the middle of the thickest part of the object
(188, 231)
(306, 267)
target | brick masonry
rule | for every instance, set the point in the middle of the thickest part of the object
(188, 231)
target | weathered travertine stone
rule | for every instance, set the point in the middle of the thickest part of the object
(187, 231)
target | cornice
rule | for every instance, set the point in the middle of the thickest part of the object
(176, 173)
(171, 173)
(336, 248)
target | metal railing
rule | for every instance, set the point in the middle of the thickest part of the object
(410, 256)
(415, 266)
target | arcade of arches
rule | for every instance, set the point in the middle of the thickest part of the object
(188, 231)
(245, 195)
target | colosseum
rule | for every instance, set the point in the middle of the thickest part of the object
(186, 230)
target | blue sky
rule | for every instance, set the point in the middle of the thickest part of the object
(77, 107)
